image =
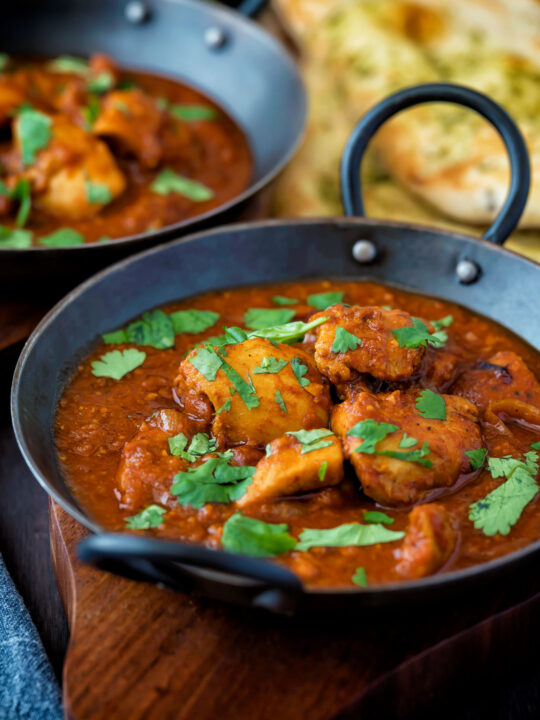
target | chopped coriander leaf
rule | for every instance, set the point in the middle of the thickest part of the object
(127, 84)
(299, 370)
(68, 64)
(375, 516)
(371, 432)
(235, 335)
(535, 446)
(212, 481)
(193, 321)
(268, 450)
(4, 61)
(278, 398)
(407, 441)
(150, 517)
(225, 407)
(344, 341)
(417, 455)
(4, 190)
(118, 363)
(443, 322)
(431, 405)
(270, 364)
(500, 510)
(200, 445)
(155, 328)
(322, 470)
(115, 338)
(282, 300)
(386, 307)
(245, 389)
(104, 238)
(34, 133)
(21, 193)
(350, 534)
(418, 335)
(167, 181)
(289, 333)
(207, 362)
(64, 237)
(259, 318)
(256, 538)
(312, 439)
(162, 103)
(97, 194)
(177, 444)
(476, 457)
(15, 239)
(193, 113)
(321, 301)
(91, 112)
(100, 83)
(360, 577)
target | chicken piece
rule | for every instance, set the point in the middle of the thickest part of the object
(379, 353)
(99, 64)
(503, 377)
(66, 170)
(288, 471)
(430, 540)
(132, 120)
(278, 403)
(393, 481)
(439, 368)
(147, 467)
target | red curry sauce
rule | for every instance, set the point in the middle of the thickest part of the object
(97, 416)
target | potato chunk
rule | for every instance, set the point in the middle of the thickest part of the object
(288, 470)
(394, 481)
(64, 171)
(379, 353)
(503, 377)
(278, 402)
(147, 467)
(430, 540)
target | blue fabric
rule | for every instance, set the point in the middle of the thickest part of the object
(28, 688)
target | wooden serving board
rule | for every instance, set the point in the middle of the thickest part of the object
(138, 651)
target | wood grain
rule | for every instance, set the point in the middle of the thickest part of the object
(138, 651)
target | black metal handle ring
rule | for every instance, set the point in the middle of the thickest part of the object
(151, 559)
(520, 174)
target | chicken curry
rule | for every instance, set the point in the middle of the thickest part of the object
(356, 433)
(90, 152)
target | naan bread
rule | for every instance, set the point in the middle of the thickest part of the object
(444, 155)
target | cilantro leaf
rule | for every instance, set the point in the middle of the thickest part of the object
(259, 318)
(299, 370)
(193, 321)
(535, 446)
(212, 481)
(500, 510)
(374, 516)
(64, 237)
(118, 363)
(350, 534)
(101, 83)
(312, 439)
(255, 538)
(431, 405)
(150, 517)
(91, 112)
(34, 132)
(4, 61)
(344, 341)
(321, 473)
(155, 328)
(359, 577)
(270, 364)
(282, 300)
(15, 238)
(371, 432)
(278, 398)
(225, 407)
(200, 445)
(418, 335)
(443, 322)
(321, 301)
(407, 441)
(207, 362)
(177, 444)
(289, 333)
(245, 390)
(21, 193)
(68, 64)
(97, 193)
(167, 181)
(193, 113)
(476, 457)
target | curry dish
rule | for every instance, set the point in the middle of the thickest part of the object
(90, 152)
(356, 433)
